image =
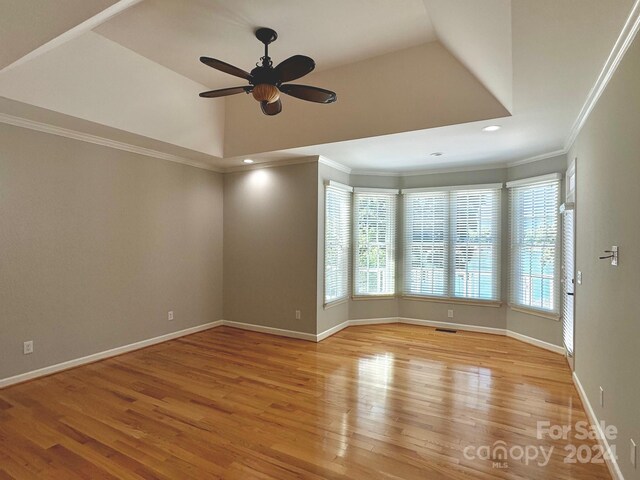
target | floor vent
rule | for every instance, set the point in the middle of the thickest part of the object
(446, 330)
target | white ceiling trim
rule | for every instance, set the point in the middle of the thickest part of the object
(127, 147)
(537, 158)
(273, 164)
(628, 33)
(105, 142)
(468, 168)
(330, 163)
(76, 31)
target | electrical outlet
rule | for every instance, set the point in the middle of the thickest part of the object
(298, 315)
(633, 453)
(450, 313)
(579, 277)
(28, 347)
(170, 315)
(601, 397)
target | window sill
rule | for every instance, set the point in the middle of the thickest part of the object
(458, 301)
(535, 313)
(373, 297)
(335, 303)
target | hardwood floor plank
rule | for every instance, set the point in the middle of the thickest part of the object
(385, 401)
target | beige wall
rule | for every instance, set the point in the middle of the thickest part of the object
(97, 245)
(607, 302)
(387, 94)
(270, 246)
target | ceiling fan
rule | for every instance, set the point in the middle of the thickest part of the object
(266, 81)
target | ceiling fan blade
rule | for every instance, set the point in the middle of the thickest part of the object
(311, 94)
(223, 92)
(225, 67)
(294, 67)
(271, 108)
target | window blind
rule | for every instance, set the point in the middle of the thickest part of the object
(452, 242)
(568, 285)
(475, 244)
(337, 242)
(374, 238)
(426, 243)
(534, 253)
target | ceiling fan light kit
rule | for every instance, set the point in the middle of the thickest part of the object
(266, 82)
(263, 92)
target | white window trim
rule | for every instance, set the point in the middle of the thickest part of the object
(376, 190)
(534, 180)
(333, 183)
(485, 186)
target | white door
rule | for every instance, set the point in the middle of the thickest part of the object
(568, 263)
(568, 279)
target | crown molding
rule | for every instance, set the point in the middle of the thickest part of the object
(628, 33)
(105, 142)
(127, 147)
(537, 158)
(433, 171)
(330, 163)
(272, 164)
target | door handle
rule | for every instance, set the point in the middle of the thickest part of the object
(570, 293)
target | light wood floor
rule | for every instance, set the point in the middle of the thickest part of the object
(374, 402)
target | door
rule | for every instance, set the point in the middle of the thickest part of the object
(568, 212)
(568, 279)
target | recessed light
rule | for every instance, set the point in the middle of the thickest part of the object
(491, 128)
(247, 160)
(437, 154)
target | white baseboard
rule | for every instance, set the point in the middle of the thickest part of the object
(436, 324)
(273, 331)
(374, 321)
(534, 341)
(41, 372)
(612, 462)
(351, 323)
(454, 326)
(332, 330)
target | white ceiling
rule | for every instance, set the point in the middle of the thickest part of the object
(539, 58)
(333, 32)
